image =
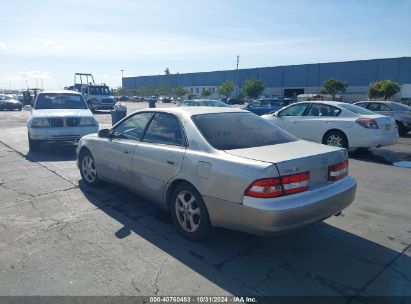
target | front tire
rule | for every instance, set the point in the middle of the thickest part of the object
(189, 213)
(335, 138)
(34, 145)
(88, 169)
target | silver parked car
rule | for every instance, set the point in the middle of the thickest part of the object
(400, 112)
(220, 167)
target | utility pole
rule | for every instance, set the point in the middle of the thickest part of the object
(122, 76)
(236, 78)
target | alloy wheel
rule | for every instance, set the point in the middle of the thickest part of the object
(88, 169)
(187, 211)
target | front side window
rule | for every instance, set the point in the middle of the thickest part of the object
(374, 107)
(228, 131)
(164, 129)
(59, 101)
(384, 107)
(294, 110)
(133, 127)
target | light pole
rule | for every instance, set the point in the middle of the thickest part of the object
(122, 76)
(236, 77)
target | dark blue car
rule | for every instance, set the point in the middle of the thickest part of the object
(267, 105)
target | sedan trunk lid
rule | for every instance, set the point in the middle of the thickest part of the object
(297, 156)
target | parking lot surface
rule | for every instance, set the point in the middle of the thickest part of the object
(60, 237)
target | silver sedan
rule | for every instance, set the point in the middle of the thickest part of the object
(219, 167)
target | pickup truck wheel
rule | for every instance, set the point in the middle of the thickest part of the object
(189, 213)
(88, 169)
(34, 145)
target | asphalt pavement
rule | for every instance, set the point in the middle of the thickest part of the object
(60, 237)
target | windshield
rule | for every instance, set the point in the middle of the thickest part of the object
(4, 97)
(99, 91)
(356, 109)
(228, 131)
(60, 101)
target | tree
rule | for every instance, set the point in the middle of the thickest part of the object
(333, 86)
(167, 71)
(383, 89)
(180, 91)
(206, 93)
(226, 88)
(252, 87)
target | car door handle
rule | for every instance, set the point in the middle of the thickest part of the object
(171, 162)
(126, 152)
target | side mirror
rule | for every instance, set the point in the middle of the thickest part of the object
(104, 133)
(27, 108)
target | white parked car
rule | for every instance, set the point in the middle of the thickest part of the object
(59, 116)
(336, 124)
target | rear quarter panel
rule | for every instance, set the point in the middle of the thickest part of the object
(223, 176)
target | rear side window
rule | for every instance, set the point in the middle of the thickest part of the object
(356, 109)
(164, 129)
(318, 109)
(228, 131)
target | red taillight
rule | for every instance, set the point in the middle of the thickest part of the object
(338, 171)
(295, 183)
(279, 186)
(368, 123)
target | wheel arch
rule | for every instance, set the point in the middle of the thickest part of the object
(172, 186)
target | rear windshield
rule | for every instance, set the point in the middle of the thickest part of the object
(228, 131)
(356, 109)
(60, 101)
(400, 107)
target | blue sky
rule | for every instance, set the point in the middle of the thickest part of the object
(48, 41)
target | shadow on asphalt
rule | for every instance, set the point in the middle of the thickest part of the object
(379, 155)
(317, 260)
(367, 155)
(53, 153)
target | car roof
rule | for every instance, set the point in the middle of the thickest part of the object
(60, 92)
(330, 102)
(190, 111)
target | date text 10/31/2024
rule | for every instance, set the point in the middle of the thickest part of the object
(202, 299)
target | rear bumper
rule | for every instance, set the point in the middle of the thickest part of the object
(375, 138)
(60, 134)
(268, 216)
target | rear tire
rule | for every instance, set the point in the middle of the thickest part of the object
(189, 213)
(88, 170)
(401, 129)
(335, 138)
(34, 145)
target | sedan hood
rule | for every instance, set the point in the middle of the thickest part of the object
(296, 156)
(62, 113)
